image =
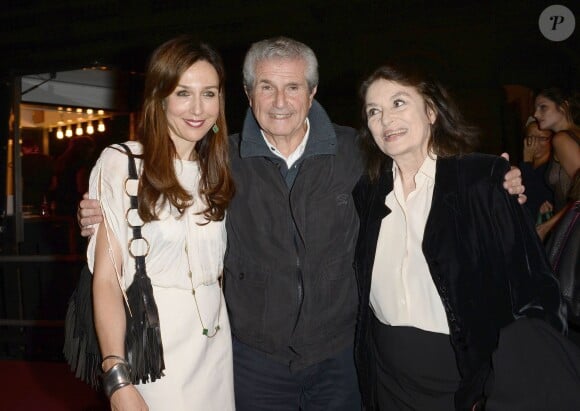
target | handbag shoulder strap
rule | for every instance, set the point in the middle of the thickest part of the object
(132, 171)
(140, 268)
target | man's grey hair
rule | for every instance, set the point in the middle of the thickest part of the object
(279, 48)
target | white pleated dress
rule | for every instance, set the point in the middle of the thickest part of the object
(199, 370)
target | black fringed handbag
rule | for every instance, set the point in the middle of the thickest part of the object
(143, 347)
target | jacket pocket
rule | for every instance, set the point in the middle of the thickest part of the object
(341, 297)
(245, 292)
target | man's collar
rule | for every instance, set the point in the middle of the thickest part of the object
(294, 155)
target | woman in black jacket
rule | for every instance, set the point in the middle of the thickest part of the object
(445, 256)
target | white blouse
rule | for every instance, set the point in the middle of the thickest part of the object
(402, 290)
(178, 244)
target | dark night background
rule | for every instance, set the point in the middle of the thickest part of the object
(490, 54)
(475, 48)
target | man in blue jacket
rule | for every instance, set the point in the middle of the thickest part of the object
(289, 281)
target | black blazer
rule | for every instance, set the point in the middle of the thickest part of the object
(485, 258)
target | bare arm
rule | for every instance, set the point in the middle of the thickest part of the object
(547, 226)
(567, 152)
(109, 314)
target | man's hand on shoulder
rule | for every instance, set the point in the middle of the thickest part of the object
(513, 182)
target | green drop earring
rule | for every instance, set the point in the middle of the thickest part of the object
(215, 128)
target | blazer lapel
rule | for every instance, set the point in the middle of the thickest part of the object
(377, 209)
(444, 202)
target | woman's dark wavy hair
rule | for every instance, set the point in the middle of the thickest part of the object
(158, 182)
(450, 134)
(566, 100)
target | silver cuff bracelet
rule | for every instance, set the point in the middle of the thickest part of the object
(118, 376)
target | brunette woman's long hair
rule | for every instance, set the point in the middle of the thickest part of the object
(158, 182)
(567, 101)
(450, 134)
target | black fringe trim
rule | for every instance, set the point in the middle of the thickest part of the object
(142, 339)
(81, 347)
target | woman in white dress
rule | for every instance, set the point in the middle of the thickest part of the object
(184, 189)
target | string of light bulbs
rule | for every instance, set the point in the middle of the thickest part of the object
(65, 129)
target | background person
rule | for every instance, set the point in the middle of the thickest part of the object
(559, 111)
(184, 189)
(537, 150)
(445, 257)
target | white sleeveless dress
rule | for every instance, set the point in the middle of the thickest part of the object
(199, 370)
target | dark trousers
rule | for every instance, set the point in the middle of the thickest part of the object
(262, 384)
(416, 369)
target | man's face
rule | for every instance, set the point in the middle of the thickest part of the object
(280, 98)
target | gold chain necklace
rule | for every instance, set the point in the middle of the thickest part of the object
(205, 330)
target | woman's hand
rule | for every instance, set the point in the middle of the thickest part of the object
(128, 399)
(546, 207)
